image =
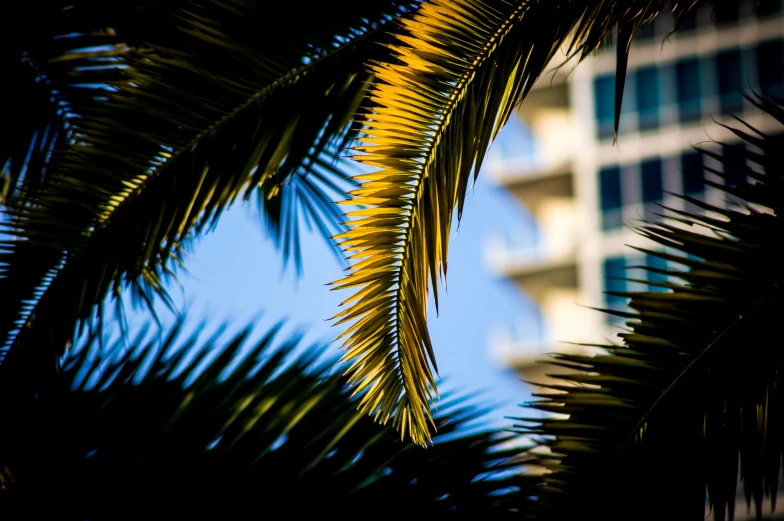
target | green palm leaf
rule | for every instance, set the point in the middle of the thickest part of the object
(177, 427)
(457, 78)
(212, 108)
(696, 386)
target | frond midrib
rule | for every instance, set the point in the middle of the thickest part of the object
(755, 306)
(429, 151)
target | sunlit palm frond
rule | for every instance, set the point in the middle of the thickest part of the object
(218, 104)
(177, 427)
(693, 396)
(459, 73)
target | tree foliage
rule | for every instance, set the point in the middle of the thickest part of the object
(692, 397)
(151, 118)
(168, 117)
(176, 426)
(148, 119)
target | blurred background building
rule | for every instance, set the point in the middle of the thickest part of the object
(586, 193)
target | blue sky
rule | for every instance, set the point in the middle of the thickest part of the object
(235, 275)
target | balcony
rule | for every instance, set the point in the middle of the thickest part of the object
(525, 355)
(550, 263)
(562, 323)
(536, 280)
(535, 270)
(550, 92)
(529, 357)
(531, 186)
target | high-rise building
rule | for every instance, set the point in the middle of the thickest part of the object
(586, 193)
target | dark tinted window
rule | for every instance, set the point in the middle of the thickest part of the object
(689, 89)
(724, 12)
(693, 176)
(770, 66)
(645, 33)
(604, 96)
(730, 75)
(655, 262)
(688, 23)
(768, 8)
(610, 181)
(734, 164)
(610, 197)
(614, 273)
(647, 83)
(652, 182)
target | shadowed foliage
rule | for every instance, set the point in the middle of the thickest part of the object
(176, 428)
(692, 398)
(200, 103)
(57, 63)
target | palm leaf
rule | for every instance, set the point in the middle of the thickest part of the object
(54, 56)
(457, 79)
(696, 385)
(172, 427)
(210, 110)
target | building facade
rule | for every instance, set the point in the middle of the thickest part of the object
(587, 193)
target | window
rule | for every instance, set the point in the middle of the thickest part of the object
(688, 23)
(770, 65)
(771, 161)
(654, 262)
(768, 8)
(614, 282)
(610, 197)
(692, 174)
(728, 64)
(652, 188)
(647, 97)
(652, 181)
(645, 33)
(734, 164)
(689, 89)
(724, 12)
(635, 273)
(604, 97)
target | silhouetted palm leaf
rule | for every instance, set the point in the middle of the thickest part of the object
(697, 383)
(57, 59)
(459, 74)
(181, 429)
(223, 102)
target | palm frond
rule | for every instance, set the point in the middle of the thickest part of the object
(696, 386)
(459, 74)
(57, 58)
(211, 109)
(177, 427)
